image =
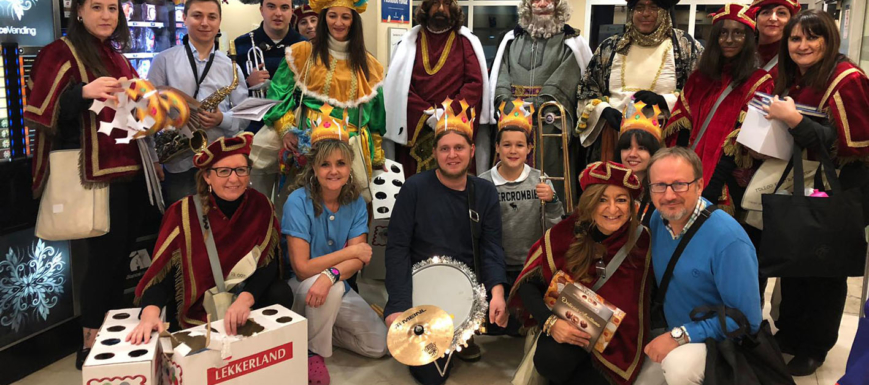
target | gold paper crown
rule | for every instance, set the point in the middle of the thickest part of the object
(635, 119)
(327, 127)
(518, 117)
(318, 5)
(456, 122)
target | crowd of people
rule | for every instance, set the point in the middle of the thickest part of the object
(653, 165)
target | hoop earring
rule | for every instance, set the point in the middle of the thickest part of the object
(350, 179)
(80, 19)
(209, 189)
(311, 180)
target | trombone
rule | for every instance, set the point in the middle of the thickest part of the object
(550, 118)
(255, 58)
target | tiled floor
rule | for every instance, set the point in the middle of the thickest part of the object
(501, 357)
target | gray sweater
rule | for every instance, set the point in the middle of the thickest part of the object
(520, 213)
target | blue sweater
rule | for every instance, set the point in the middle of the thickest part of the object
(719, 266)
(430, 219)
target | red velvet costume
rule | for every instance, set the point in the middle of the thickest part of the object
(628, 289)
(456, 76)
(56, 68)
(181, 245)
(766, 52)
(847, 91)
(695, 104)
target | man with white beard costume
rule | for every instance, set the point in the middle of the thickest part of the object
(540, 60)
(650, 62)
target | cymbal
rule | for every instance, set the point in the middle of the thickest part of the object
(420, 335)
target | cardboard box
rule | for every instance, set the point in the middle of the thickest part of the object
(275, 351)
(385, 186)
(112, 361)
(590, 313)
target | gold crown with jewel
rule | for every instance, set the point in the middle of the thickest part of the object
(327, 127)
(635, 119)
(456, 121)
(518, 117)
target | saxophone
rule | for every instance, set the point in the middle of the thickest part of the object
(172, 143)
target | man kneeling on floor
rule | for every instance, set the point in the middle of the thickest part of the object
(430, 218)
(718, 266)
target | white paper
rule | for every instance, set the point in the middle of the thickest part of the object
(253, 108)
(769, 137)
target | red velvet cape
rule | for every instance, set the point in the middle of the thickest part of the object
(846, 101)
(459, 78)
(695, 104)
(628, 289)
(56, 68)
(181, 244)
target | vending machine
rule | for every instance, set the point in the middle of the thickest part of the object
(152, 30)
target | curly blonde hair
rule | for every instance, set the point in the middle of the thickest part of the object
(307, 178)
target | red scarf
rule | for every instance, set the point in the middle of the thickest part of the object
(628, 289)
(847, 90)
(181, 245)
(56, 68)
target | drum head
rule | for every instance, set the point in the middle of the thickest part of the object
(447, 287)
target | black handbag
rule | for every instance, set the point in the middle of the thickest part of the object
(812, 236)
(742, 358)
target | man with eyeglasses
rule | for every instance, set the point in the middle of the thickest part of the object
(717, 267)
(437, 59)
(649, 62)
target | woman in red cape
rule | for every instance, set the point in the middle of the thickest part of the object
(604, 222)
(243, 224)
(66, 78)
(729, 60)
(813, 73)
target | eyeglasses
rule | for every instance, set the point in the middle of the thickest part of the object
(225, 172)
(679, 187)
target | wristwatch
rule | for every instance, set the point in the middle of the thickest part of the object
(680, 335)
(333, 274)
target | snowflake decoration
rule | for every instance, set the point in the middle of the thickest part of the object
(30, 285)
(125, 118)
(16, 8)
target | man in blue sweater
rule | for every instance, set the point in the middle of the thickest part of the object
(718, 266)
(431, 218)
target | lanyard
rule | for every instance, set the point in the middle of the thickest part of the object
(192, 61)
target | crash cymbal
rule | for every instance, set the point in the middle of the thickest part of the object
(420, 335)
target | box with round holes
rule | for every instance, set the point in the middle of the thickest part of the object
(113, 361)
(271, 348)
(385, 186)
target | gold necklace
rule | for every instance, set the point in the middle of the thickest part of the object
(657, 75)
(444, 54)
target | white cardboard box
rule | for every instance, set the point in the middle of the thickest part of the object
(385, 185)
(276, 355)
(768, 137)
(112, 361)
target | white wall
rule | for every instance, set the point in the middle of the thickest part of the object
(237, 19)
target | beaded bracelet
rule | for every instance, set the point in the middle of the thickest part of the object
(549, 322)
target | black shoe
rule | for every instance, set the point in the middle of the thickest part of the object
(81, 356)
(471, 353)
(803, 366)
